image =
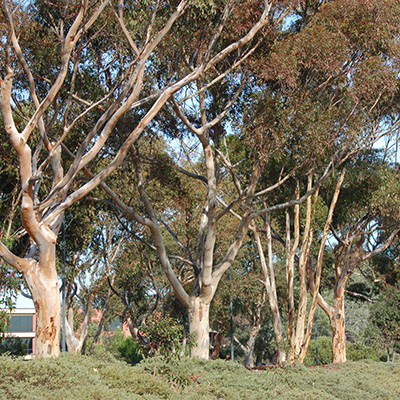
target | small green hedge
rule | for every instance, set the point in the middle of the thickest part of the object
(105, 378)
(354, 352)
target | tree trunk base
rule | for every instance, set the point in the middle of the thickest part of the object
(199, 326)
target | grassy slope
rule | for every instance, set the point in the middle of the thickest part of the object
(77, 377)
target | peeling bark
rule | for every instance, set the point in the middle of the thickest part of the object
(270, 286)
(42, 281)
(199, 326)
(338, 325)
(249, 351)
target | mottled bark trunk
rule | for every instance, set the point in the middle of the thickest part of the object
(74, 345)
(296, 338)
(217, 347)
(42, 281)
(199, 326)
(277, 323)
(249, 352)
(338, 325)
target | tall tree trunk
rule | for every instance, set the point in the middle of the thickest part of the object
(42, 281)
(199, 326)
(217, 347)
(270, 286)
(338, 329)
(315, 279)
(249, 352)
(101, 324)
(74, 345)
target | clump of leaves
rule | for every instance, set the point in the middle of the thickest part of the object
(385, 317)
(130, 350)
(7, 303)
(165, 337)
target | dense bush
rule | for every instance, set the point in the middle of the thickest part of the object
(358, 351)
(105, 378)
(110, 343)
(324, 351)
(130, 350)
(385, 318)
(354, 352)
(165, 336)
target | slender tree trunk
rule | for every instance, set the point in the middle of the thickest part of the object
(270, 286)
(199, 325)
(338, 329)
(290, 256)
(316, 276)
(74, 345)
(249, 353)
(217, 347)
(100, 326)
(296, 334)
(42, 281)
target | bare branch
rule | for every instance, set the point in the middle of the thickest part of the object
(120, 19)
(21, 264)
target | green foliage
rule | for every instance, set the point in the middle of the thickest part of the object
(385, 317)
(165, 336)
(357, 318)
(324, 351)
(354, 352)
(358, 351)
(170, 369)
(13, 347)
(87, 378)
(130, 351)
(4, 323)
(7, 303)
(111, 343)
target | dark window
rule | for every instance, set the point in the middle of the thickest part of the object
(16, 346)
(21, 323)
(29, 346)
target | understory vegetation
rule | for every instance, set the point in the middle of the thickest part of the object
(103, 377)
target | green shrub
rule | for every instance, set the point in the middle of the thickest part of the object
(354, 352)
(74, 376)
(165, 335)
(110, 343)
(324, 351)
(359, 351)
(130, 350)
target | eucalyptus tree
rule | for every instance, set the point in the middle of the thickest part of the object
(330, 87)
(196, 53)
(366, 224)
(70, 73)
(305, 102)
(90, 266)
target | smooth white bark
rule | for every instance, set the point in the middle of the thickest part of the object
(199, 322)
